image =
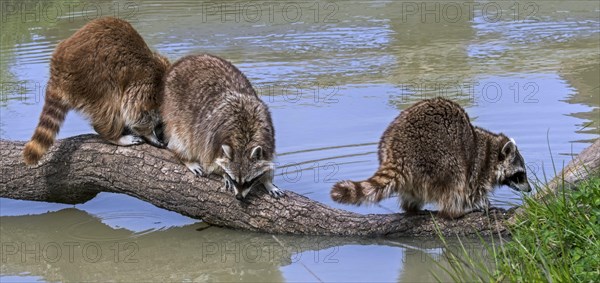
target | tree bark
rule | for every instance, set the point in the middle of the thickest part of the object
(584, 165)
(78, 168)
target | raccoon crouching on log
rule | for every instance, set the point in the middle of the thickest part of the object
(432, 153)
(216, 124)
(106, 71)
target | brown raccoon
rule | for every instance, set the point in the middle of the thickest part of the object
(432, 153)
(215, 123)
(106, 71)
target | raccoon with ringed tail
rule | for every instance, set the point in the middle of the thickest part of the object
(431, 153)
(106, 71)
(215, 123)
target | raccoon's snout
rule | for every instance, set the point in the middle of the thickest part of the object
(240, 191)
(241, 194)
(518, 182)
(525, 187)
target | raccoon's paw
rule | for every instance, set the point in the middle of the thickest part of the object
(154, 141)
(157, 143)
(276, 193)
(273, 190)
(195, 168)
(127, 140)
(228, 185)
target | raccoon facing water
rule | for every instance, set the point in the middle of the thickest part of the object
(107, 72)
(215, 123)
(431, 153)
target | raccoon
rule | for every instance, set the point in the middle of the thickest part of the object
(216, 124)
(107, 72)
(432, 153)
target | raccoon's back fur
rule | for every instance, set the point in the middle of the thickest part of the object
(432, 153)
(215, 122)
(106, 71)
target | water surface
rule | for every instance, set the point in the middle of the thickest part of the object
(333, 77)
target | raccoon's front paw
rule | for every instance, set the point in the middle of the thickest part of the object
(276, 193)
(155, 141)
(195, 168)
(273, 190)
(158, 144)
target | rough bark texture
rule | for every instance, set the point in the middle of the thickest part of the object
(584, 165)
(78, 168)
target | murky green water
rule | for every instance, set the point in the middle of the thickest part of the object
(334, 73)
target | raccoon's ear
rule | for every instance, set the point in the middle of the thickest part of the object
(257, 153)
(509, 148)
(226, 150)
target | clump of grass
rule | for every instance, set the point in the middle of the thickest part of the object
(555, 239)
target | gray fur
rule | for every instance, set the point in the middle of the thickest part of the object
(216, 124)
(432, 153)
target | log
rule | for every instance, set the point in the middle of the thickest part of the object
(583, 166)
(76, 169)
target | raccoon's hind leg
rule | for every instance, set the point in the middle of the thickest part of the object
(411, 204)
(452, 204)
(456, 204)
(128, 140)
(477, 203)
(115, 132)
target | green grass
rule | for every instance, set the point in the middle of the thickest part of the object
(556, 239)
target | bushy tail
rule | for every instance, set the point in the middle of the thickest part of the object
(52, 117)
(382, 185)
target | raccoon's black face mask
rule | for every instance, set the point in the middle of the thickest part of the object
(243, 170)
(512, 171)
(241, 190)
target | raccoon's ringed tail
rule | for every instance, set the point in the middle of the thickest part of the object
(53, 114)
(381, 185)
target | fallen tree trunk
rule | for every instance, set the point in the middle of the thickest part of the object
(78, 168)
(584, 165)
